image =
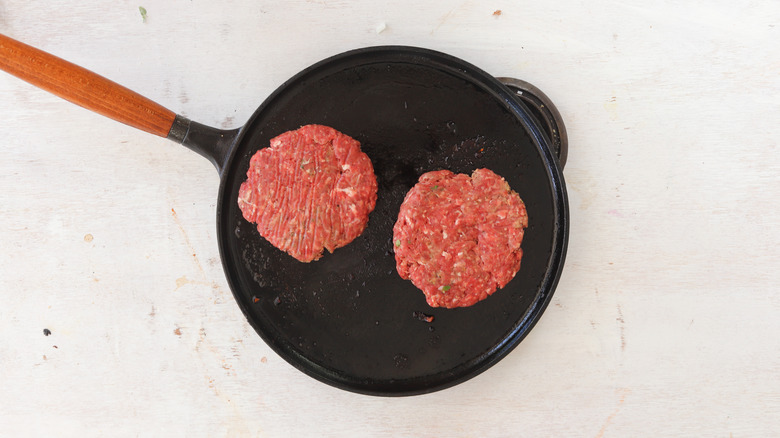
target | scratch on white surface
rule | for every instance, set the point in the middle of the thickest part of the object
(443, 20)
(183, 280)
(223, 362)
(611, 106)
(202, 338)
(235, 349)
(622, 392)
(622, 324)
(187, 241)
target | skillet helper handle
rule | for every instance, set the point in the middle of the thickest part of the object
(83, 87)
(545, 113)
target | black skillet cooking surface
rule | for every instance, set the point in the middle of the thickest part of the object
(348, 319)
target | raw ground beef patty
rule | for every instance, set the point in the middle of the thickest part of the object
(458, 237)
(312, 189)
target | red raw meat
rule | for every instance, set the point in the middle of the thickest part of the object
(312, 189)
(458, 237)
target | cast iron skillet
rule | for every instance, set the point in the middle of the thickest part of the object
(348, 319)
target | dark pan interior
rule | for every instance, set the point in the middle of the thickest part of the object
(349, 319)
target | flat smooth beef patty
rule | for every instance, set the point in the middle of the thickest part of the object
(458, 237)
(312, 189)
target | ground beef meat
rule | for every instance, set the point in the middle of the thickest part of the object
(312, 189)
(458, 237)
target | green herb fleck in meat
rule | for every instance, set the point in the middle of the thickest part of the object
(446, 288)
(397, 243)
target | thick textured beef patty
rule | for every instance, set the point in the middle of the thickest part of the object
(312, 189)
(458, 237)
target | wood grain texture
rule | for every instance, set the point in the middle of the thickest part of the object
(664, 323)
(84, 88)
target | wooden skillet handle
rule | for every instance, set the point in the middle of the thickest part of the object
(83, 87)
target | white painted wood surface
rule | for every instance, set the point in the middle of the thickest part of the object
(665, 322)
